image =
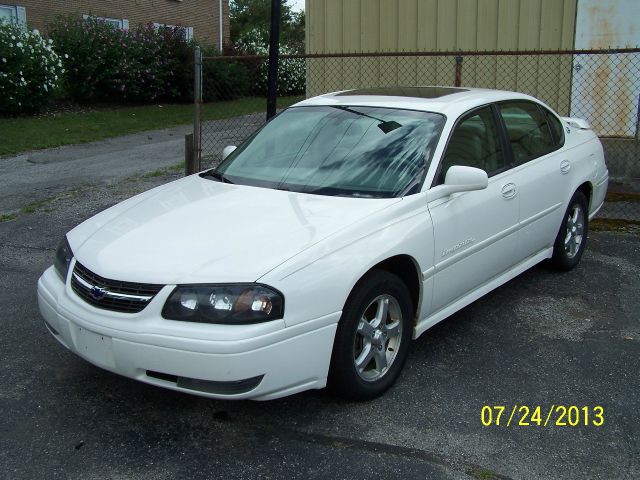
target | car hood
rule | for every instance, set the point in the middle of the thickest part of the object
(196, 230)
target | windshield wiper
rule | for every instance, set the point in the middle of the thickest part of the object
(217, 175)
(339, 192)
(386, 127)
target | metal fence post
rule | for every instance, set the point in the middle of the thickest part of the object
(197, 103)
(458, 78)
(274, 47)
(189, 155)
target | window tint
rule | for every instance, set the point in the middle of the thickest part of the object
(474, 143)
(527, 130)
(556, 128)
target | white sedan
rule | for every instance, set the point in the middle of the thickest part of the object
(348, 225)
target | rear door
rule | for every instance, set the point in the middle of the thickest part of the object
(475, 233)
(535, 138)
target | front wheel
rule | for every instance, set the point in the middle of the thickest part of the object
(373, 336)
(572, 236)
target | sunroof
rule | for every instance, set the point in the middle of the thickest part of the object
(416, 92)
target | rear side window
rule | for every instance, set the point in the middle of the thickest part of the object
(556, 127)
(474, 143)
(527, 130)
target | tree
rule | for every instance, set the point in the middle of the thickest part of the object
(250, 25)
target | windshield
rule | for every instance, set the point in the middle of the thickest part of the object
(337, 150)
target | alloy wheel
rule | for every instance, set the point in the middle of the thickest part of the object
(575, 231)
(378, 338)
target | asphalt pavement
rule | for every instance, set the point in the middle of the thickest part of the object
(542, 339)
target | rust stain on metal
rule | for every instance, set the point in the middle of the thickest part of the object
(608, 88)
(624, 101)
(599, 94)
(598, 17)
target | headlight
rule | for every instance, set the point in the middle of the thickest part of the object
(226, 304)
(63, 258)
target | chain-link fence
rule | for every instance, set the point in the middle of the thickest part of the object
(601, 86)
(234, 102)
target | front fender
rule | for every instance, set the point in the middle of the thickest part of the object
(319, 281)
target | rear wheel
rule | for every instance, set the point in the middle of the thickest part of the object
(572, 236)
(372, 340)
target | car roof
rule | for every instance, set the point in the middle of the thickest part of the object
(451, 101)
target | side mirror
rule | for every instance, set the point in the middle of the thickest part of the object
(459, 179)
(226, 151)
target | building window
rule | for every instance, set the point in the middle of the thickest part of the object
(187, 31)
(121, 23)
(13, 13)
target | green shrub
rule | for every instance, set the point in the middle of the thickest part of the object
(291, 75)
(105, 63)
(223, 79)
(291, 71)
(178, 66)
(30, 70)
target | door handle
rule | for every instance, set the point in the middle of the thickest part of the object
(565, 166)
(509, 190)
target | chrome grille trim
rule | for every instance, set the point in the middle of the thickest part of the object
(89, 286)
(114, 295)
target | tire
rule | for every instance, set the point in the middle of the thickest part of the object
(572, 236)
(362, 348)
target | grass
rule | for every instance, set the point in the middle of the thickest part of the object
(35, 206)
(623, 197)
(614, 225)
(34, 133)
(5, 217)
(481, 473)
(178, 167)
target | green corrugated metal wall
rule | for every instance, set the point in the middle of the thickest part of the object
(360, 26)
(348, 26)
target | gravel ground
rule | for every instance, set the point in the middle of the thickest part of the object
(544, 338)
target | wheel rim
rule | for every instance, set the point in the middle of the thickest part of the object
(377, 338)
(575, 231)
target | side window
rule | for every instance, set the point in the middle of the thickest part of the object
(528, 131)
(474, 143)
(556, 128)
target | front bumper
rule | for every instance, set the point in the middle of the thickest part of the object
(261, 362)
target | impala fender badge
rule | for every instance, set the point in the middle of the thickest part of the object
(458, 246)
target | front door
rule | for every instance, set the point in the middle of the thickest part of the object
(475, 233)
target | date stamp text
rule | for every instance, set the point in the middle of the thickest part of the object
(539, 416)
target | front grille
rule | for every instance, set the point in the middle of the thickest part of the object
(114, 295)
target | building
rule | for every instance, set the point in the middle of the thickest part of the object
(438, 25)
(597, 86)
(206, 21)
